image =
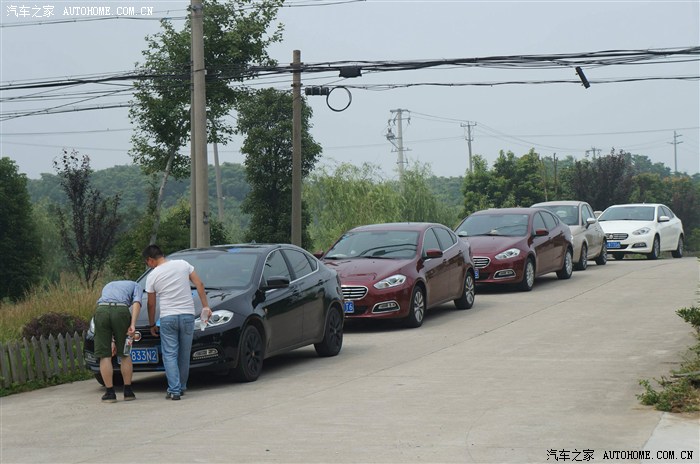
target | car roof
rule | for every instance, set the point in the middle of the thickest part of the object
(414, 226)
(254, 247)
(562, 202)
(637, 204)
(507, 211)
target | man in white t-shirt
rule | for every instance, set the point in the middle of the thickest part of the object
(170, 282)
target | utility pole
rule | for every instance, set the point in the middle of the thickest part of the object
(296, 148)
(675, 150)
(469, 138)
(200, 127)
(593, 150)
(217, 171)
(398, 120)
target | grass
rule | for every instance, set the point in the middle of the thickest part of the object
(66, 296)
(680, 392)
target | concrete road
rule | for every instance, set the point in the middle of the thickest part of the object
(545, 376)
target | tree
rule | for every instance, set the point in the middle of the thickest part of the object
(235, 35)
(265, 119)
(89, 223)
(20, 245)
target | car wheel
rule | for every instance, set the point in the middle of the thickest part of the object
(618, 256)
(602, 258)
(528, 276)
(466, 300)
(655, 247)
(568, 267)
(416, 311)
(678, 252)
(332, 335)
(117, 378)
(583, 259)
(250, 355)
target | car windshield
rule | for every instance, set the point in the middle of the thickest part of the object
(221, 269)
(510, 225)
(391, 244)
(567, 213)
(628, 213)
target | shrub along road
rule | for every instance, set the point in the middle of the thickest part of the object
(521, 377)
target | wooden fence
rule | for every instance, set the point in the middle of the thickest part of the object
(27, 360)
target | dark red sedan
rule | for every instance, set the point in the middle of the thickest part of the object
(515, 245)
(399, 270)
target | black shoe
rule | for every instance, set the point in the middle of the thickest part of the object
(172, 396)
(129, 394)
(109, 397)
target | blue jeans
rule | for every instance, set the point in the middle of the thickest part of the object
(176, 343)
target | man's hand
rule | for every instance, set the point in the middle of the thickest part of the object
(154, 331)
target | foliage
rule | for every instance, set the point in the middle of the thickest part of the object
(53, 323)
(265, 118)
(691, 316)
(67, 296)
(681, 393)
(20, 244)
(88, 225)
(420, 204)
(54, 261)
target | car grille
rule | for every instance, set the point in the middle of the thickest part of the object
(481, 261)
(616, 236)
(353, 293)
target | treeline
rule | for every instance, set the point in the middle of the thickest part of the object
(333, 202)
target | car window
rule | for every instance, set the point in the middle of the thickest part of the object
(446, 237)
(508, 224)
(538, 222)
(551, 220)
(567, 213)
(276, 266)
(299, 263)
(217, 269)
(586, 213)
(390, 244)
(430, 241)
(665, 211)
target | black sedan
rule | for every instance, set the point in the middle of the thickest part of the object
(266, 300)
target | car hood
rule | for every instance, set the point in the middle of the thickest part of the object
(365, 269)
(215, 298)
(625, 226)
(491, 245)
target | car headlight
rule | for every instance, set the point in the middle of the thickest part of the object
(219, 317)
(642, 231)
(510, 253)
(393, 281)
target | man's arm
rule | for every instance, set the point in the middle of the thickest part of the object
(206, 311)
(152, 313)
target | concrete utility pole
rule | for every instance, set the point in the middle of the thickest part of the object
(398, 120)
(675, 150)
(469, 138)
(199, 130)
(296, 148)
(217, 171)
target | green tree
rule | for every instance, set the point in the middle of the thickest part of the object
(265, 119)
(235, 36)
(88, 225)
(603, 181)
(420, 203)
(20, 245)
(477, 187)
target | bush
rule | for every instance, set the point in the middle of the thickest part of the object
(54, 323)
(691, 316)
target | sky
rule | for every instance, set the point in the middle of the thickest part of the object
(565, 119)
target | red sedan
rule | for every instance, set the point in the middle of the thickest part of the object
(515, 245)
(399, 270)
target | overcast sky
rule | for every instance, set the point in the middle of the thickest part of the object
(562, 118)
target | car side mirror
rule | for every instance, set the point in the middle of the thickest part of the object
(274, 282)
(541, 232)
(590, 221)
(664, 218)
(433, 253)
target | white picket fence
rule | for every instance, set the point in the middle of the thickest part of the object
(27, 360)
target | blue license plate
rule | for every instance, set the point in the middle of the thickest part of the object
(350, 307)
(613, 244)
(144, 355)
(476, 274)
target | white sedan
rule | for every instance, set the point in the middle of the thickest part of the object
(646, 228)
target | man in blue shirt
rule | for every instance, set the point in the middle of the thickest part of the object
(113, 322)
